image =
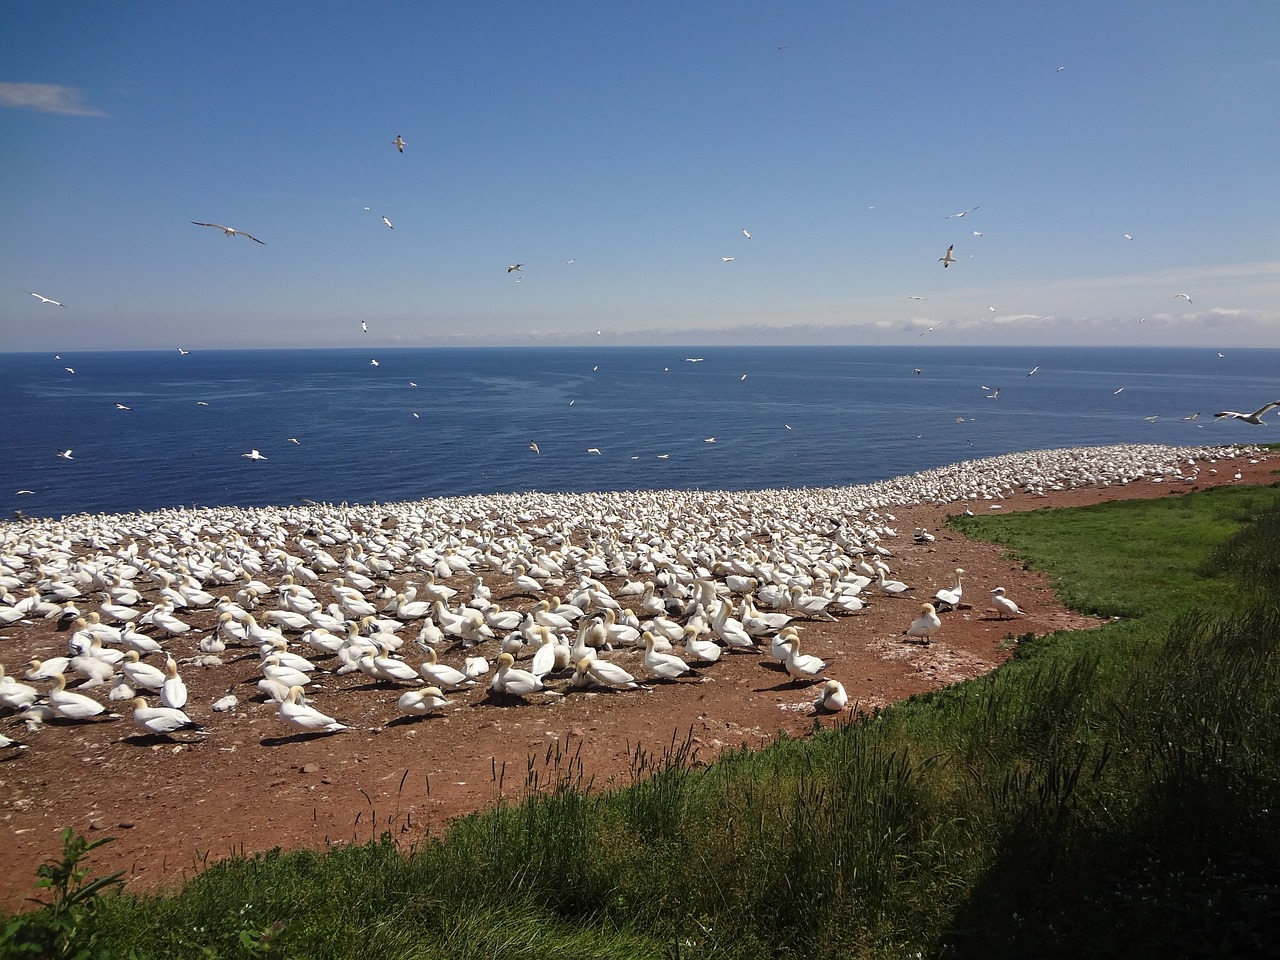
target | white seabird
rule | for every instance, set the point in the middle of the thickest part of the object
(1254, 418)
(229, 231)
(947, 259)
(1005, 605)
(398, 142)
(253, 455)
(44, 299)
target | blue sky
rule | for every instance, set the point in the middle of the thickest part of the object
(638, 141)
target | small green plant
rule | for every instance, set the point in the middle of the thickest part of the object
(62, 927)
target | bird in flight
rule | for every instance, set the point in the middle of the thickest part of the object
(595, 450)
(514, 267)
(253, 455)
(947, 260)
(1128, 236)
(229, 231)
(66, 454)
(994, 394)
(533, 445)
(182, 353)
(1034, 369)
(1117, 392)
(121, 406)
(44, 299)
(1060, 69)
(374, 363)
(1255, 417)
(745, 234)
(1182, 296)
(960, 215)
(399, 143)
(69, 369)
(977, 233)
(917, 298)
(693, 359)
(294, 440)
(728, 259)
(709, 440)
(388, 223)
(364, 326)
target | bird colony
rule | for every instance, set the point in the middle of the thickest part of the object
(435, 605)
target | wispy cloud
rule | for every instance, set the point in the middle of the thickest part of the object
(47, 98)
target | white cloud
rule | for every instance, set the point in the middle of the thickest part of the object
(47, 98)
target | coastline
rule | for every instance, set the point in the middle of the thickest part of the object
(249, 785)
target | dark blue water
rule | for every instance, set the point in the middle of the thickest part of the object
(804, 416)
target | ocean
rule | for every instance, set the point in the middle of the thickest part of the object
(455, 422)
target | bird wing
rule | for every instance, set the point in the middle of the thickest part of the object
(251, 237)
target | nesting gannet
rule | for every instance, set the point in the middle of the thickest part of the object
(46, 299)
(925, 625)
(307, 718)
(441, 674)
(832, 698)
(16, 695)
(229, 231)
(947, 259)
(72, 706)
(253, 455)
(421, 702)
(1255, 417)
(510, 680)
(161, 720)
(140, 674)
(666, 665)
(1003, 604)
(398, 143)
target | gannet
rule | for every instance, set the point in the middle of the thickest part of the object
(801, 666)
(960, 215)
(421, 702)
(1006, 606)
(666, 665)
(161, 720)
(398, 142)
(947, 259)
(307, 718)
(1182, 296)
(951, 598)
(229, 231)
(1255, 417)
(66, 454)
(253, 455)
(832, 698)
(925, 625)
(388, 223)
(72, 706)
(515, 267)
(46, 299)
(510, 680)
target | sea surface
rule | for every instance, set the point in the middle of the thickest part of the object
(453, 422)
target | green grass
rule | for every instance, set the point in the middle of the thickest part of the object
(1113, 792)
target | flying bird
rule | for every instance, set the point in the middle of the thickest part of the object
(44, 299)
(374, 363)
(1117, 392)
(1254, 418)
(388, 223)
(962, 213)
(1128, 236)
(253, 455)
(533, 445)
(182, 353)
(745, 234)
(364, 327)
(1034, 369)
(121, 406)
(595, 450)
(69, 369)
(399, 143)
(977, 233)
(66, 454)
(1183, 296)
(514, 267)
(948, 259)
(229, 231)
(728, 259)
(1060, 69)
(693, 359)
